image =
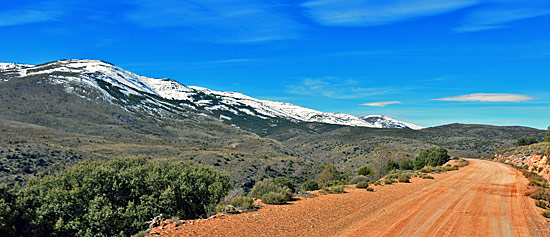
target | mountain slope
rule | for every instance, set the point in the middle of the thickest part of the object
(160, 95)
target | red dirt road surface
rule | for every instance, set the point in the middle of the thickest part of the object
(482, 199)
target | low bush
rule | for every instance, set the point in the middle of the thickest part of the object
(276, 198)
(541, 194)
(377, 182)
(362, 185)
(404, 178)
(546, 213)
(538, 183)
(427, 169)
(358, 179)
(270, 192)
(370, 189)
(334, 189)
(115, 198)
(243, 203)
(427, 177)
(310, 186)
(388, 181)
(335, 183)
(284, 182)
(541, 204)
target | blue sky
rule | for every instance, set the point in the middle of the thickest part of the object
(428, 62)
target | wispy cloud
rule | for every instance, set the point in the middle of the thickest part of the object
(382, 104)
(241, 21)
(337, 88)
(372, 13)
(22, 17)
(488, 97)
(494, 14)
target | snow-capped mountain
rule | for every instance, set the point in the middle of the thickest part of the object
(131, 90)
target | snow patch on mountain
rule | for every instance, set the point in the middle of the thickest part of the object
(87, 72)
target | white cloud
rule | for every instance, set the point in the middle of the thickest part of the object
(237, 21)
(494, 14)
(382, 104)
(337, 88)
(21, 17)
(371, 13)
(488, 97)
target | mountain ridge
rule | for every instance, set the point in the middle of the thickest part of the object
(222, 105)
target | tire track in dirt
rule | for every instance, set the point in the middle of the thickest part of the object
(481, 199)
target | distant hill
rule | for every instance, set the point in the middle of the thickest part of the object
(56, 114)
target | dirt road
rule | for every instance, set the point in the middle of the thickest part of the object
(481, 199)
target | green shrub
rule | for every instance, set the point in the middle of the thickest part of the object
(335, 183)
(538, 183)
(370, 189)
(270, 192)
(284, 182)
(359, 178)
(427, 177)
(377, 182)
(435, 156)
(117, 197)
(406, 164)
(362, 185)
(329, 174)
(403, 178)
(334, 189)
(276, 198)
(427, 169)
(365, 170)
(541, 195)
(525, 141)
(541, 204)
(546, 213)
(388, 181)
(391, 165)
(243, 203)
(310, 186)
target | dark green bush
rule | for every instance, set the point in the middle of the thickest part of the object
(391, 165)
(435, 156)
(365, 171)
(357, 179)
(406, 164)
(362, 185)
(370, 189)
(276, 198)
(546, 213)
(525, 141)
(284, 182)
(270, 192)
(310, 186)
(116, 198)
(388, 181)
(427, 177)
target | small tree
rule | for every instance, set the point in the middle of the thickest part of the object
(391, 165)
(366, 171)
(435, 156)
(329, 174)
(406, 164)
